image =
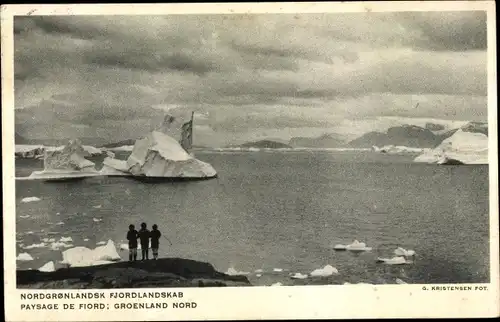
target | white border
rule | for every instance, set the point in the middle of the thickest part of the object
(297, 302)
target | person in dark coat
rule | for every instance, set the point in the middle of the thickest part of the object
(155, 240)
(144, 236)
(132, 236)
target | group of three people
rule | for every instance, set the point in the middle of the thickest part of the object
(144, 235)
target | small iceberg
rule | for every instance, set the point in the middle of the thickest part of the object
(30, 199)
(60, 223)
(277, 270)
(355, 246)
(24, 217)
(299, 276)
(48, 240)
(96, 219)
(403, 252)
(97, 207)
(259, 271)
(101, 243)
(258, 275)
(48, 267)
(398, 260)
(233, 271)
(24, 257)
(328, 270)
(85, 239)
(59, 245)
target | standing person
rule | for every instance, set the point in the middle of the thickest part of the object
(155, 240)
(144, 236)
(132, 236)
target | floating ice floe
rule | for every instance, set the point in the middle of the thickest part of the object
(29, 232)
(60, 223)
(403, 252)
(233, 271)
(48, 267)
(30, 199)
(41, 245)
(400, 281)
(328, 270)
(98, 206)
(48, 240)
(277, 284)
(83, 256)
(24, 257)
(96, 219)
(278, 270)
(398, 260)
(101, 243)
(355, 246)
(24, 216)
(65, 239)
(258, 275)
(85, 239)
(259, 270)
(299, 276)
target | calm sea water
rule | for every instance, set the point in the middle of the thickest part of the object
(282, 210)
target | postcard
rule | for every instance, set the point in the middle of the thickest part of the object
(250, 161)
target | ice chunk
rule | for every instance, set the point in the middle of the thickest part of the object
(356, 246)
(400, 281)
(66, 239)
(60, 223)
(25, 216)
(98, 207)
(48, 267)
(325, 271)
(85, 239)
(398, 260)
(107, 252)
(340, 247)
(299, 276)
(278, 270)
(29, 232)
(24, 257)
(101, 243)
(96, 219)
(258, 270)
(30, 199)
(258, 275)
(29, 151)
(403, 252)
(59, 245)
(41, 245)
(233, 271)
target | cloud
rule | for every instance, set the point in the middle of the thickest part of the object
(250, 74)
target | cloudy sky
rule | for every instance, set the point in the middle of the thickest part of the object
(247, 76)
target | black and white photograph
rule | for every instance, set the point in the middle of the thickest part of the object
(240, 150)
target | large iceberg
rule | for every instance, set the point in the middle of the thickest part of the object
(66, 163)
(83, 256)
(159, 156)
(463, 147)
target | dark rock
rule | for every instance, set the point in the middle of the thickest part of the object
(165, 272)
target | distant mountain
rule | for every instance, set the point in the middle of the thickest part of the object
(324, 141)
(476, 127)
(434, 127)
(406, 135)
(265, 144)
(19, 139)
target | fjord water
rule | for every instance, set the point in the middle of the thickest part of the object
(282, 210)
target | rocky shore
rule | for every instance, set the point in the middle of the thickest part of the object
(165, 272)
